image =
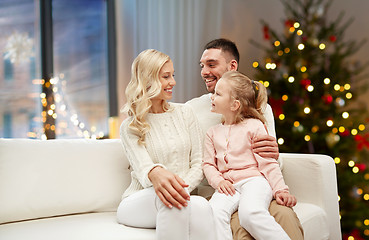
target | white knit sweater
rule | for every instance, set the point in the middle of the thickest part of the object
(173, 142)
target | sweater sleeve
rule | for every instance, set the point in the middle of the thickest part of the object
(137, 155)
(194, 175)
(209, 164)
(269, 167)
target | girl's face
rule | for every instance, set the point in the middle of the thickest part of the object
(166, 77)
(222, 101)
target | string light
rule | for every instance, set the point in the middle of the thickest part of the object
(291, 79)
(61, 107)
(329, 123)
(306, 110)
(280, 141)
(322, 46)
(327, 81)
(301, 46)
(345, 115)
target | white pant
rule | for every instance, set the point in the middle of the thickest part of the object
(144, 209)
(252, 198)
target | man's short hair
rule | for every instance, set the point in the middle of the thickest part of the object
(225, 45)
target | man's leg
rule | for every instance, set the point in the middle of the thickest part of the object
(285, 216)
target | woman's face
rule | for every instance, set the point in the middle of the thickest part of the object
(166, 77)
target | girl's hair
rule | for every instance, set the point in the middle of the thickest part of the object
(251, 94)
(144, 85)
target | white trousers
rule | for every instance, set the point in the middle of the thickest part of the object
(144, 209)
(252, 198)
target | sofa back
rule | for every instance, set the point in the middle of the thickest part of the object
(58, 177)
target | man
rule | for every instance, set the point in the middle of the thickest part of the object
(220, 56)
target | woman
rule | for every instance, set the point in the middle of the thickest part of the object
(163, 144)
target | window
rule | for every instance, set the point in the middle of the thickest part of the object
(79, 76)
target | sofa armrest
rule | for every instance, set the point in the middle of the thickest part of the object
(312, 179)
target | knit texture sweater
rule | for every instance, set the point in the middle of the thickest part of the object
(173, 142)
(228, 155)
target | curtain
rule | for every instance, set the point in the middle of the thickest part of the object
(179, 28)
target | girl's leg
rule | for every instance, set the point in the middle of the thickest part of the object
(256, 195)
(223, 207)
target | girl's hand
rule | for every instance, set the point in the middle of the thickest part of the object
(169, 187)
(266, 146)
(286, 199)
(226, 187)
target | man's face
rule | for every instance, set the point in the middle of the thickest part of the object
(213, 65)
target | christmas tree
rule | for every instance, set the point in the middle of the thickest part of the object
(313, 83)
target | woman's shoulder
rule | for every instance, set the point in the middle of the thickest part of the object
(183, 108)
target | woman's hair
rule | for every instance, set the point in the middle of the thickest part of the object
(144, 85)
(251, 94)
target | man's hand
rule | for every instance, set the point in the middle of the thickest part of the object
(286, 199)
(169, 187)
(266, 146)
(226, 187)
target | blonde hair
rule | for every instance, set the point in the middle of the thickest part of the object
(252, 96)
(143, 86)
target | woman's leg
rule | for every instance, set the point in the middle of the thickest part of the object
(138, 209)
(144, 209)
(256, 195)
(223, 206)
(201, 221)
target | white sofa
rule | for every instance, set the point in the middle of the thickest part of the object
(70, 189)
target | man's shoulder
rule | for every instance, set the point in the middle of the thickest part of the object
(205, 98)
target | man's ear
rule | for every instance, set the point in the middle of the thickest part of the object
(233, 65)
(235, 105)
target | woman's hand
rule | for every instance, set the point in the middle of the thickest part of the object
(226, 187)
(169, 187)
(266, 146)
(286, 199)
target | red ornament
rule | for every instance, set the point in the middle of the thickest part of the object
(362, 141)
(344, 133)
(361, 166)
(328, 99)
(305, 83)
(266, 32)
(289, 23)
(276, 105)
(332, 38)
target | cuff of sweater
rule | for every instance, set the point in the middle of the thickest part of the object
(279, 191)
(147, 183)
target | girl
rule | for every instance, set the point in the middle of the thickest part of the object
(242, 180)
(163, 144)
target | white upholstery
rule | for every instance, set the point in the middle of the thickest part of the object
(70, 189)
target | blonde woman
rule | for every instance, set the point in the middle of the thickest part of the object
(242, 179)
(163, 144)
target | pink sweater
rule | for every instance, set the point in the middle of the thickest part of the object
(236, 161)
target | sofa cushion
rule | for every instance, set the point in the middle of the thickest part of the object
(58, 177)
(313, 220)
(90, 226)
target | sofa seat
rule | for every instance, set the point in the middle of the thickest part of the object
(88, 226)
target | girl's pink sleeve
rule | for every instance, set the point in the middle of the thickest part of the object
(209, 164)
